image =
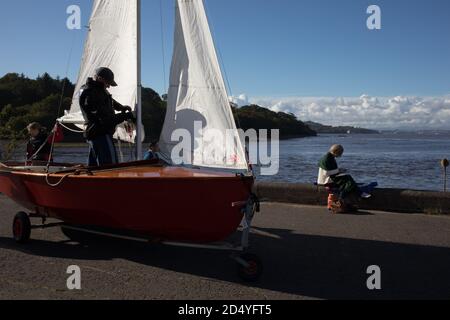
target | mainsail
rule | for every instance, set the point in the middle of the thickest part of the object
(197, 94)
(112, 42)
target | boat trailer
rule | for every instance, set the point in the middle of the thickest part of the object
(249, 266)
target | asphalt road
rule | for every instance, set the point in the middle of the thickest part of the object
(307, 253)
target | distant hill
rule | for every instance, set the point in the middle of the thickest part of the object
(24, 100)
(320, 128)
(256, 117)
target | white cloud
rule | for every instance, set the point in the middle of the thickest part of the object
(240, 101)
(370, 112)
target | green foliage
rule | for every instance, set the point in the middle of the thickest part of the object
(18, 90)
(8, 150)
(153, 113)
(256, 117)
(24, 100)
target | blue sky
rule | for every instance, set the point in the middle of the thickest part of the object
(269, 48)
(272, 49)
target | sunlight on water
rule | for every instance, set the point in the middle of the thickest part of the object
(410, 161)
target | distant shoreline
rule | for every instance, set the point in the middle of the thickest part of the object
(326, 129)
(81, 144)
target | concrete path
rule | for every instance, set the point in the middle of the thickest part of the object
(307, 252)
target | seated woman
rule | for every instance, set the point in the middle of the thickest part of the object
(329, 173)
(39, 145)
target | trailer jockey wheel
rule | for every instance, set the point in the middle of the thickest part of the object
(21, 228)
(253, 271)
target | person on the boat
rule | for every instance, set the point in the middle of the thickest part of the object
(99, 109)
(39, 145)
(330, 174)
(153, 152)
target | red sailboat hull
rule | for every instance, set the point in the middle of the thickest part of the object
(168, 203)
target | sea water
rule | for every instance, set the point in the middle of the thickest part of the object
(403, 160)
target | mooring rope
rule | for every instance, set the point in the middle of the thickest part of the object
(77, 172)
(54, 185)
(70, 129)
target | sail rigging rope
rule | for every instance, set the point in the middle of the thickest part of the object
(63, 89)
(163, 45)
(36, 153)
(221, 60)
(218, 49)
(228, 84)
(70, 129)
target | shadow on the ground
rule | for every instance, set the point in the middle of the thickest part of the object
(313, 266)
(357, 213)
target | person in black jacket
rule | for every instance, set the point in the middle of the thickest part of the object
(99, 109)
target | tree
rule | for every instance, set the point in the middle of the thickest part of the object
(24, 100)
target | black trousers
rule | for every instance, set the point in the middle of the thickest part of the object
(346, 185)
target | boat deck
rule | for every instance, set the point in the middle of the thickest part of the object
(131, 170)
(161, 172)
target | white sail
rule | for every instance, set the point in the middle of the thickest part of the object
(112, 42)
(197, 93)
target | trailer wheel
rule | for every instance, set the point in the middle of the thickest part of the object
(21, 228)
(253, 271)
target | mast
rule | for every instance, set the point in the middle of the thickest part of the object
(139, 86)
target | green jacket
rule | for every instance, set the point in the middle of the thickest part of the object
(327, 169)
